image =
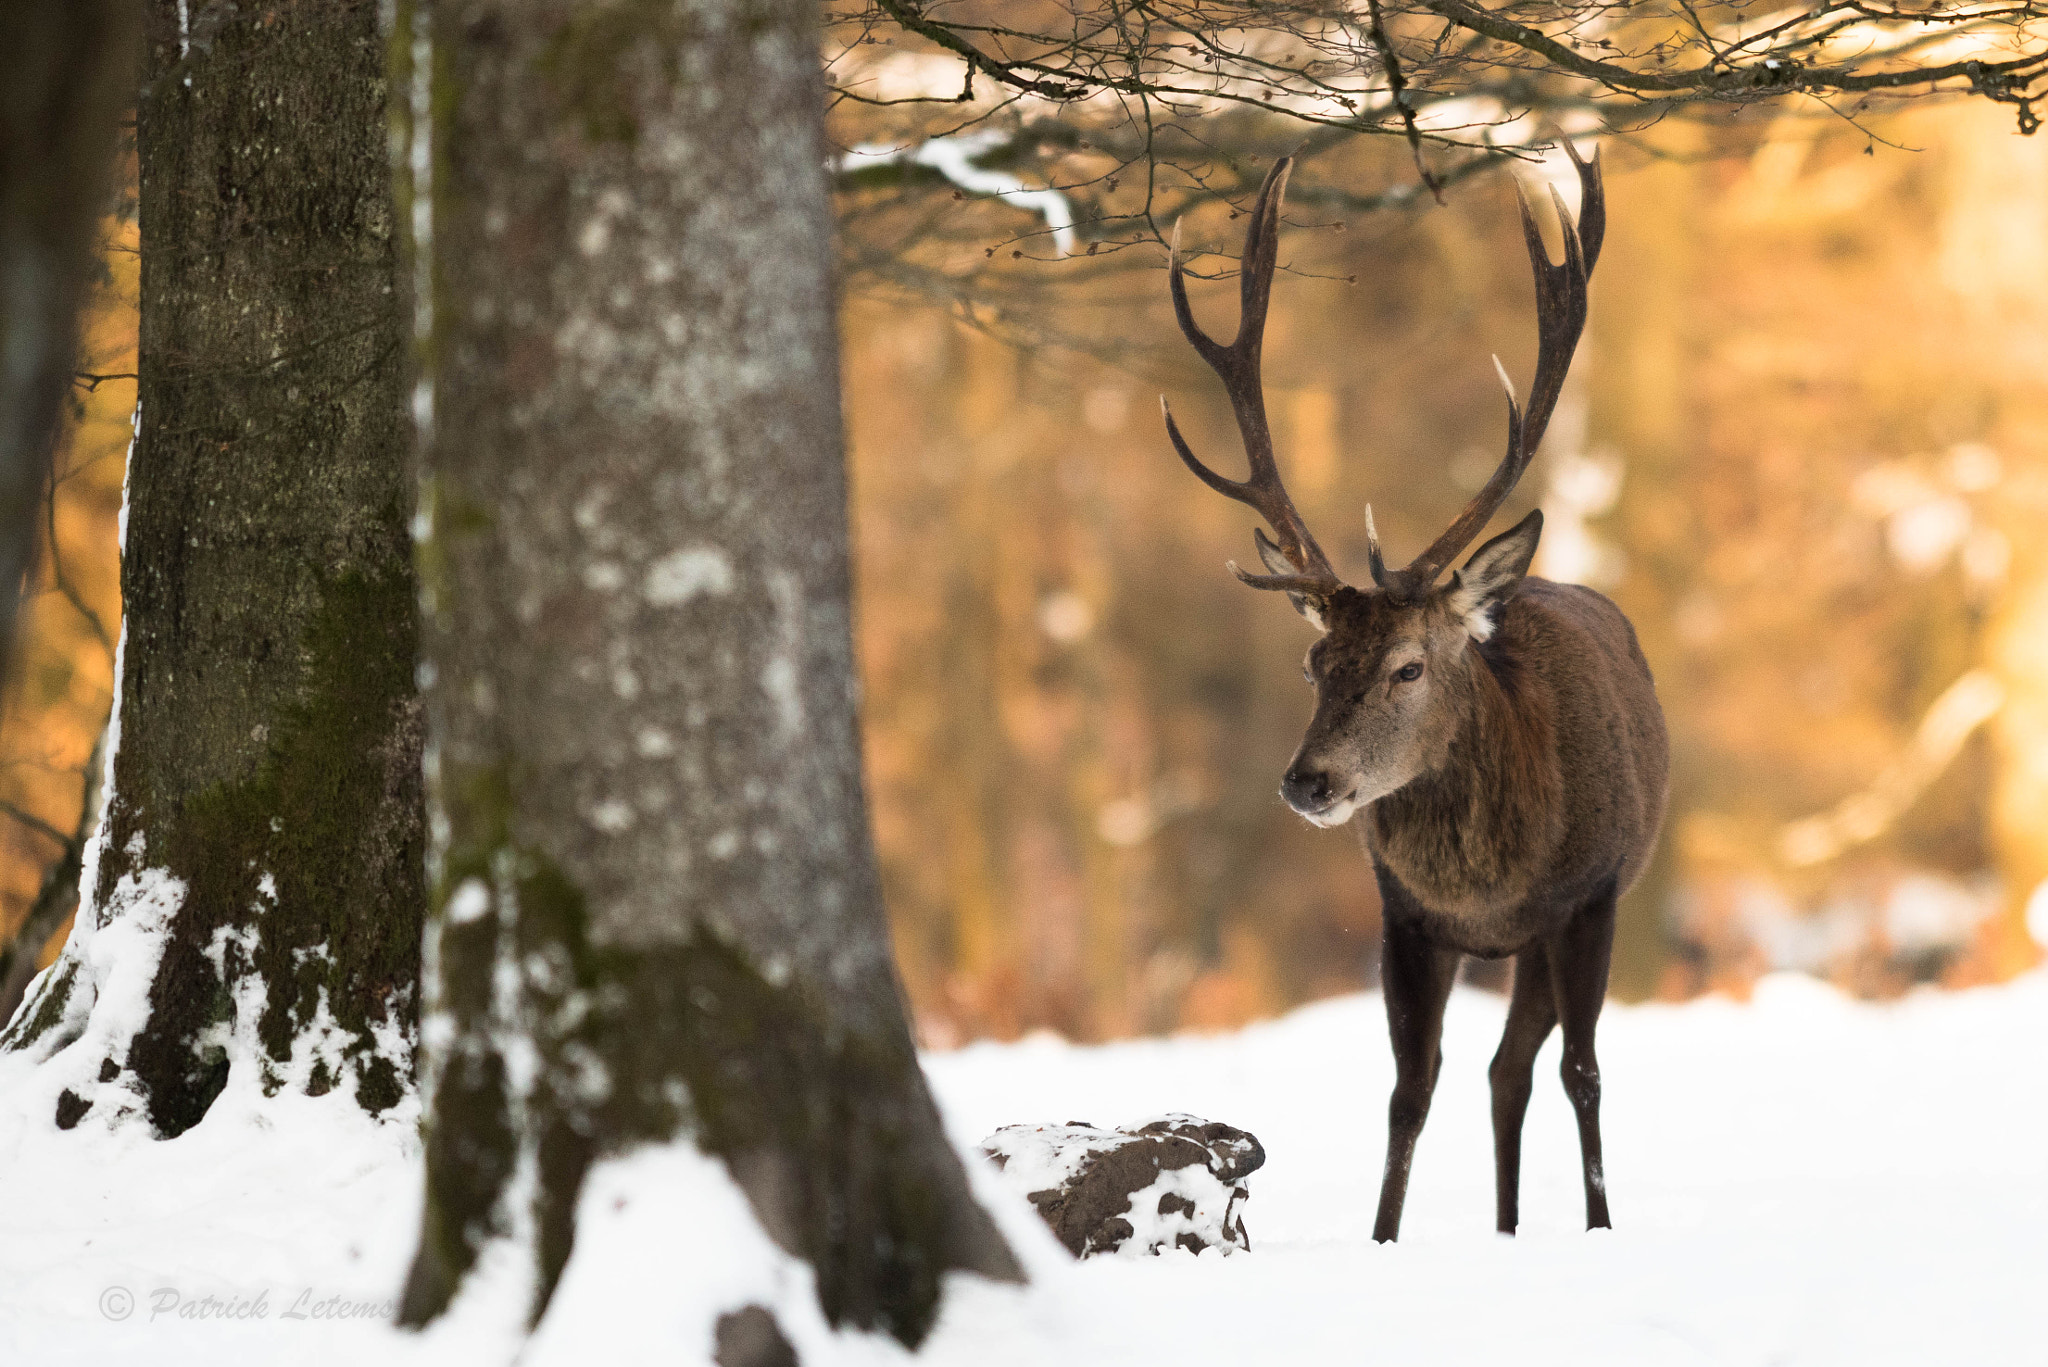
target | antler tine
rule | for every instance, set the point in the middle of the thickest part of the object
(1560, 318)
(1592, 205)
(1261, 255)
(1237, 365)
(1207, 346)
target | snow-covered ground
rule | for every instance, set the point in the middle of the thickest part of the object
(1799, 1180)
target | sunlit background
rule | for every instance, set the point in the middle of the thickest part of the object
(1805, 447)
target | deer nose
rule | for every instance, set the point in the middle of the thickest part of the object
(1306, 790)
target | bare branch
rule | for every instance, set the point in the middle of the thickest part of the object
(33, 822)
(58, 895)
(1139, 112)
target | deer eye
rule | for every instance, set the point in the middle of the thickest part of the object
(1409, 672)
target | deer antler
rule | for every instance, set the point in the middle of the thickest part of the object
(1237, 365)
(1560, 318)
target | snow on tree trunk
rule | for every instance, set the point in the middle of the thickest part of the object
(253, 896)
(656, 914)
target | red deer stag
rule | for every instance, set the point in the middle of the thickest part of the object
(1498, 735)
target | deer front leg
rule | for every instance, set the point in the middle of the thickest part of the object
(1532, 1011)
(1579, 957)
(1415, 979)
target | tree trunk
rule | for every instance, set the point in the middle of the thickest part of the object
(67, 70)
(656, 916)
(263, 838)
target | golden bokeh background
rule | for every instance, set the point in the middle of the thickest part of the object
(1805, 446)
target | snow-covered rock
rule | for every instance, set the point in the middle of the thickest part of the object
(1174, 1182)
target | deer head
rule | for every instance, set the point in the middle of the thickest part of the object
(1392, 671)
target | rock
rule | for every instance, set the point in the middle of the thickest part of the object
(1174, 1182)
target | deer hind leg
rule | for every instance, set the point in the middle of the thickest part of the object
(1578, 973)
(1415, 977)
(1532, 1011)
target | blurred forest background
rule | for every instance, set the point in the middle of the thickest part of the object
(1805, 447)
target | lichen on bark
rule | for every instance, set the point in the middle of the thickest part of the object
(658, 919)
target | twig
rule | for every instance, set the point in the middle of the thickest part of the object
(34, 823)
(1399, 86)
(92, 382)
(63, 583)
(56, 898)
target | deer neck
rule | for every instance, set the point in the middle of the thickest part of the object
(1473, 831)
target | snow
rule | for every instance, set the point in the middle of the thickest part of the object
(1797, 1180)
(1180, 1203)
(1045, 1157)
(642, 1202)
(953, 157)
(112, 956)
(1194, 1200)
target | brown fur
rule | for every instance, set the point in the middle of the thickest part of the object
(1500, 735)
(1561, 690)
(1508, 795)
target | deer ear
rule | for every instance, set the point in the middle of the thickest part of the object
(1491, 576)
(1271, 556)
(1276, 562)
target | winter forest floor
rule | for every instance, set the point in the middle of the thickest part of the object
(1799, 1180)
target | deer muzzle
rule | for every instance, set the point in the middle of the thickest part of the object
(1309, 792)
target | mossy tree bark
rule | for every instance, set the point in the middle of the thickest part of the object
(655, 915)
(263, 838)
